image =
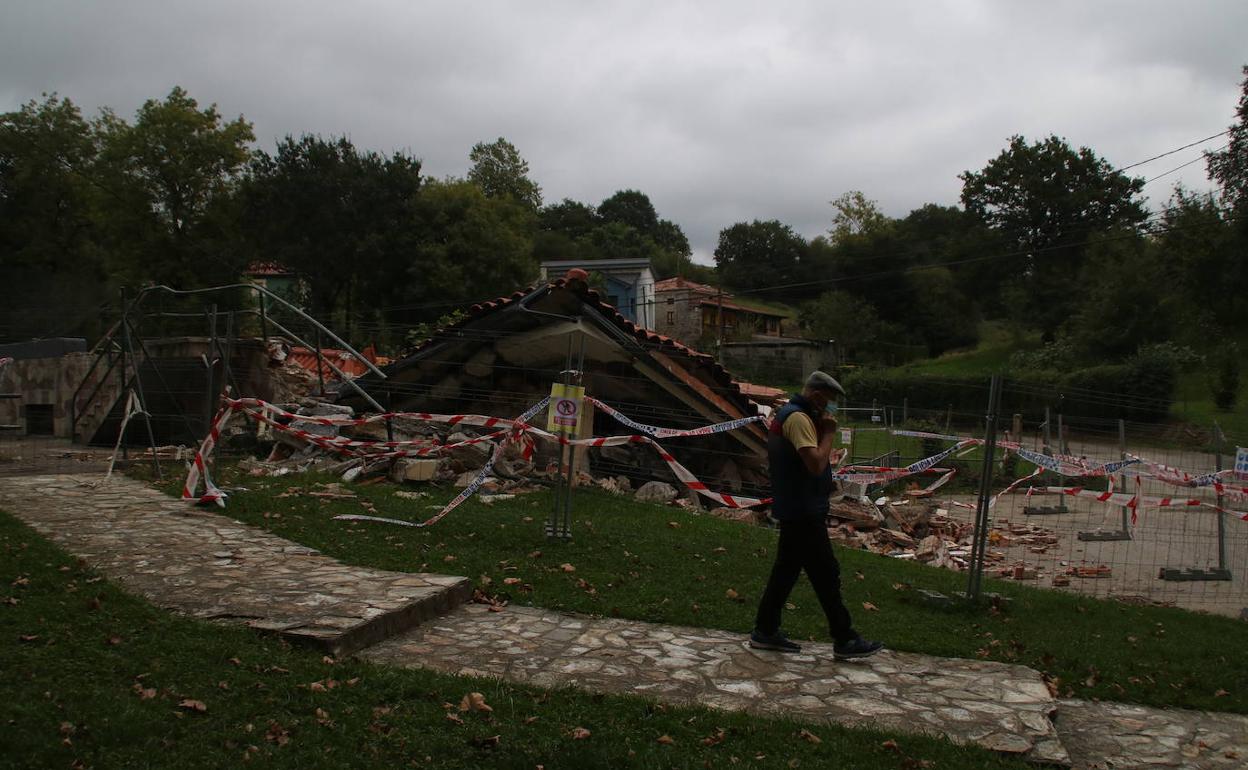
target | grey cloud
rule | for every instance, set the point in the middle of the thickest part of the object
(721, 112)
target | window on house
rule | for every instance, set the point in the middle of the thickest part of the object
(671, 300)
(671, 318)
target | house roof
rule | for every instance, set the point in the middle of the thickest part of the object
(562, 265)
(269, 268)
(727, 394)
(712, 295)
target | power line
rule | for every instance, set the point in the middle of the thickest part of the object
(1171, 152)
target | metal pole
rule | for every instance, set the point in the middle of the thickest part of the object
(125, 351)
(1061, 436)
(975, 580)
(567, 499)
(1122, 477)
(1217, 464)
(138, 387)
(905, 411)
(948, 417)
(264, 323)
(552, 526)
(320, 367)
(1048, 434)
(210, 396)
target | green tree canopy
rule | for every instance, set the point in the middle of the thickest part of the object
(761, 256)
(165, 174)
(343, 218)
(500, 172)
(1049, 200)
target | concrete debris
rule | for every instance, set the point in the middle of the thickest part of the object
(656, 492)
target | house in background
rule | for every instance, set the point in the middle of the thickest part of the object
(628, 284)
(690, 312)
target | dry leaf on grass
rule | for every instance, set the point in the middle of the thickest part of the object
(474, 701)
(810, 737)
(732, 594)
(193, 705)
(567, 567)
(869, 607)
(666, 740)
(579, 733)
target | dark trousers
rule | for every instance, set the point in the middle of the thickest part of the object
(804, 545)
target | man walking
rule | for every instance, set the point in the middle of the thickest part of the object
(799, 449)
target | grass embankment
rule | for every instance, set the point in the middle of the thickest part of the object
(661, 564)
(94, 677)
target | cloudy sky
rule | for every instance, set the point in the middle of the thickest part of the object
(720, 111)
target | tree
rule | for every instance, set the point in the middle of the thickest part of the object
(846, 318)
(568, 217)
(470, 246)
(500, 172)
(1125, 301)
(346, 220)
(48, 236)
(1229, 167)
(764, 256)
(1200, 249)
(165, 173)
(632, 208)
(1049, 201)
(856, 214)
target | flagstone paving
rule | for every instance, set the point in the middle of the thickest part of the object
(204, 564)
(207, 565)
(995, 705)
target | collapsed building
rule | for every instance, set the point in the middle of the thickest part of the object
(505, 354)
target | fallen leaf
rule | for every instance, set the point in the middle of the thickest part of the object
(474, 701)
(28, 637)
(859, 576)
(869, 607)
(327, 660)
(511, 581)
(193, 705)
(316, 687)
(810, 737)
(567, 567)
(732, 594)
(891, 746)
(455, 718)
(535, 555)
(666, 740)
(530, 720)
(673, 525)
(448, 559)
(146, 693)
(1220, 694)
(714, 738)
(579, 733)
(113, 640)
(236, 661)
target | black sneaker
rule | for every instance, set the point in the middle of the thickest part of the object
(777, 641)
(856, 648)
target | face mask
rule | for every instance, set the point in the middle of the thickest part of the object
(830, 408)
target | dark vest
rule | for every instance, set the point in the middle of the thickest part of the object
(795, 493)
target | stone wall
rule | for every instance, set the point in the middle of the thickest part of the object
(42, 381)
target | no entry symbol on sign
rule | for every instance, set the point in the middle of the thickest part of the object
(565, 411)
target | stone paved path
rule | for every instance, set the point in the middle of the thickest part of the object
(995, 705)
(207, 565)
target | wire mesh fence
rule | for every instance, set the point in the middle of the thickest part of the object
(181, 353)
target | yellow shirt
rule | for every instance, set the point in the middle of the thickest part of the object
(800, 431)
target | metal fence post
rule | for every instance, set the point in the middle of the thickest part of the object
(976, 568)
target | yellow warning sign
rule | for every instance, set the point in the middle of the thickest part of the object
(565, 408)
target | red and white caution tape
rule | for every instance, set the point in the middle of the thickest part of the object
(199, 465)
(660, 432)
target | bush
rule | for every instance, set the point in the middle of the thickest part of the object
(1225, 384)
(1141, 389)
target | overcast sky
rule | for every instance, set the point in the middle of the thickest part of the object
(720, 111)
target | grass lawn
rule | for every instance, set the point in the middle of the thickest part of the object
(94, 677)
(996, 344)
(663, 564)
(1193, 403)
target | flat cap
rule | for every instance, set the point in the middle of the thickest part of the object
(823, 381)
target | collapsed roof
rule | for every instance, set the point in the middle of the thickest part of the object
(504, 355)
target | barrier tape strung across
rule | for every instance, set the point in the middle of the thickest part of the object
(517, 432)
(1078, 467)
(661, 432)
